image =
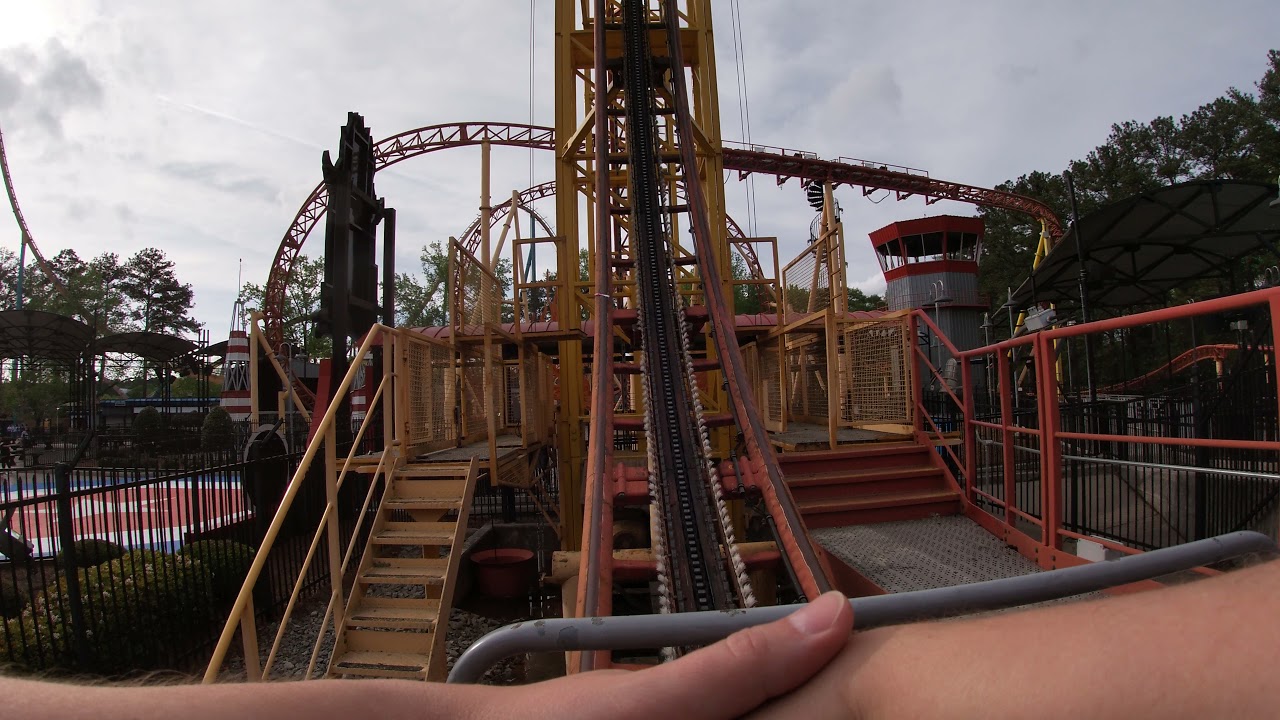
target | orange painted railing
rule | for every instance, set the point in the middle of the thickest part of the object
(1018, 491)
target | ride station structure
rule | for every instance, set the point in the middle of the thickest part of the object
(717, 442)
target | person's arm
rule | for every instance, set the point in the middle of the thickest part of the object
(1210, 649)
(724, 680)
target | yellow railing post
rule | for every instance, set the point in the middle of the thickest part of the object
(335, 542)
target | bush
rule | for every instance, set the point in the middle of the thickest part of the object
(140, 610)
(218, 431)
(13, 597)
(223, 566)
(92, 551)
(148, 427)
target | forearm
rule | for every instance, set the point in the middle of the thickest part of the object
(1209, 649)
(338, 699)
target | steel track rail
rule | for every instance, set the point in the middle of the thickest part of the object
(700, 580)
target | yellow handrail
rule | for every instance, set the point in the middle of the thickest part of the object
(295, 484)
(320, 528)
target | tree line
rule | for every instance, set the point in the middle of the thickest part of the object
(1235, 136)
(107, 293)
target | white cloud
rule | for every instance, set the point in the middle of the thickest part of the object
(196, 127)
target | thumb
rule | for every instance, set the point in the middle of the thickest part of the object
(748, 668)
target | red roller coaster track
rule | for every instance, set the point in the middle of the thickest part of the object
(27, 240)
(783, 164)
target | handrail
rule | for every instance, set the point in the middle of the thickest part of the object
(1056, 454)
(285, 379)
(320, 528)
(698, 628)
(244, 598)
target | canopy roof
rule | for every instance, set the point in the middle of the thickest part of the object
(1139, 248)
(152, 346)
(45, 335)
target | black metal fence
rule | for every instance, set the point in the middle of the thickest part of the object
(116, 570)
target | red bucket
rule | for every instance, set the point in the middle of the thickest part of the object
(504, 572)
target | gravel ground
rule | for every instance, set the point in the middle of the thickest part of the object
(295, 649)
(300, 636)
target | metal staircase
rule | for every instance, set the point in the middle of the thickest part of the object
(405, 581)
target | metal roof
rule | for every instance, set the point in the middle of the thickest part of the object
(1139, 248)
(152, 346)
(45, 335)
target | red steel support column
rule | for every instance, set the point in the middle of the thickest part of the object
(1006, 435)
(970, 431)
(1273, 304)
(1050, 445)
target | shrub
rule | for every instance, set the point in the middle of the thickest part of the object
(148, 427)
(139, 610)
(92, 551)
(223, 566)
(218, 431)
(13, 597)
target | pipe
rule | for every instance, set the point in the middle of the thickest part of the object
(700, 628)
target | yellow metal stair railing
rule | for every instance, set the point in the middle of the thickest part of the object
(402, 425)
(388, 636)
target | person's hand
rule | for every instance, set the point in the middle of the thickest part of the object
(730, 678)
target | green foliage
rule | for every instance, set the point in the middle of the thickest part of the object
(138, 609)
(35, 395)
(92, 551)
(13, 596)
(189, 387)
(224, 565)
(301, 303)
(858, 300)
(148, 427)
(1236, 136)
(218, 431)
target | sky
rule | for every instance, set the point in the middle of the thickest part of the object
(198, 127)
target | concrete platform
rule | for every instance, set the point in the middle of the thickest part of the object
(923, 554)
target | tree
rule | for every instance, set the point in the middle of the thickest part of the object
(301, 304)
(8, 279)
(1236, 136)
(424, 303)
(858, 300)
(157, 302)
(218, 432)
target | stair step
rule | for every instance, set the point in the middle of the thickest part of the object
(846, 484)
(879, 500)
(852, 458)
(396, 642)
(881, 507)
(416, 533)
(402, 487)
(394, 613)
(434, 470)
(861, 475)
(420, 503)
(406, 571)
(408, 666)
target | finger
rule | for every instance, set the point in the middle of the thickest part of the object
(746, 669)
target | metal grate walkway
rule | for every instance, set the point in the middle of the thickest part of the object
(922, 554)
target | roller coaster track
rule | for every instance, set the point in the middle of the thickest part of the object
(27, 240)
(786, 164)
(1178, 365)
(696, 555)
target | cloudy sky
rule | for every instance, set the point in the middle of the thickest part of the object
(198, 127)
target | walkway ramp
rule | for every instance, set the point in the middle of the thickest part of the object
(391, 627)
(924, 554)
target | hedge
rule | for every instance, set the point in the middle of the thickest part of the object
(141, 610)
(223, 566)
